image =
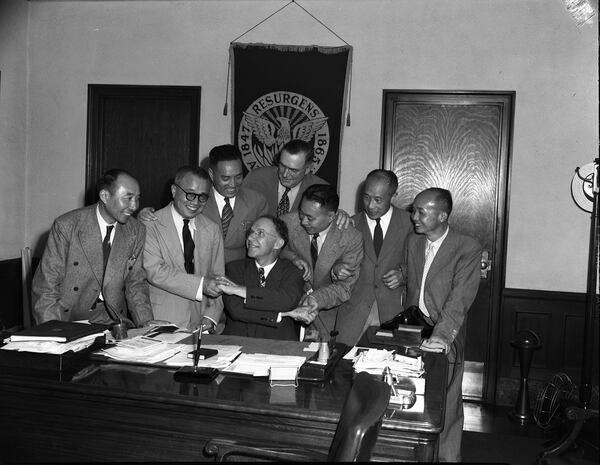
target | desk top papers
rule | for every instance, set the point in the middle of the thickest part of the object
(52, 347)
(260, 364)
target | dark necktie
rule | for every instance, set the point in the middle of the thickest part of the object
(106, 248)
(377, 237)
(226, 216)
(284, 203)
(188, 247)
(261, 277)
(314, 249)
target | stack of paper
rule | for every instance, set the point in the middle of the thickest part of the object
(52, 347)
(260, 364)
(142, 349)
(374, 361)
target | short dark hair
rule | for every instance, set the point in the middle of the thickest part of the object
(226, 152)
(387, 176)
(189, 169)
(280, 227)
(323, 194)
(109, 178)
(443, 198)
(296, 146)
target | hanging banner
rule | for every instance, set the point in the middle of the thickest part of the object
(283, 92)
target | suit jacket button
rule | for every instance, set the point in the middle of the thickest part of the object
(130, 268)
(75, 288)
(376, 286)
(75, 263)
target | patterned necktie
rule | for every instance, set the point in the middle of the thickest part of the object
(188, 247)
(377, 237)
(314, 249)
(284, 203)
(106, 248)
(428, 260)
(226, 216)
(261, 277)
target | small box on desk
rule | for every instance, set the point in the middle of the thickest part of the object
(49, 362)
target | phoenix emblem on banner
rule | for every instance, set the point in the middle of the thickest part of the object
(276, 118)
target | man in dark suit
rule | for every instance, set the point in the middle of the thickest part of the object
(264, 290)
(183, 256)
(283, 184)
(92, 265)
(379, 292)
(316, 244)
(442, 279)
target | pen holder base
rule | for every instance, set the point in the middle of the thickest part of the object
(195, 375)
(316, 372)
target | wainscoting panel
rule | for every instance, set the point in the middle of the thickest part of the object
(558, 319)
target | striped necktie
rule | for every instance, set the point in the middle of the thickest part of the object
(284, 203)
(226, 216)
(261, 277)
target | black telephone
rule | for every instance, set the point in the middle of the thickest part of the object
(411, 316)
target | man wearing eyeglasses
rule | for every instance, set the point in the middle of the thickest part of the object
(183, 256)
(262, 292)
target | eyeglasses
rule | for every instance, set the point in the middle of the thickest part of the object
(191, 196)
(260, 233)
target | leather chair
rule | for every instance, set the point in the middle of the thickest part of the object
(354, 439)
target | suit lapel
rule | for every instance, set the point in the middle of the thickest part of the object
(251, 273)
(166, 228)
(121, 245)
(389, 240)
(443, 255)
(328, 251)
(90, 239)
(210, 209)
(363, 226)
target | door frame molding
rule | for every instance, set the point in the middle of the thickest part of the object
(97, 93)
(505, 99)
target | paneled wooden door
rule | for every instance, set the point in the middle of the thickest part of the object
(460, 141)
(147, 130)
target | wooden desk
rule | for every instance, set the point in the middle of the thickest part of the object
(114, 412)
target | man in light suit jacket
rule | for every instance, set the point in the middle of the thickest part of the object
(92, 265)
(443, 268)
(289, 178)
(379, 292)
(261, 299)
(183, 256)
(225, 170)
(316, 244)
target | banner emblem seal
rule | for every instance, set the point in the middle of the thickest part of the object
(274, 119)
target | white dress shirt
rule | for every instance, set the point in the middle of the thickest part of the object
(384, 222)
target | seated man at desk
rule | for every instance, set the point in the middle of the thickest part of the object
(92, 265)
(262, 291)
(316, 244)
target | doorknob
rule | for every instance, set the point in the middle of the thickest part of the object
(486, 264)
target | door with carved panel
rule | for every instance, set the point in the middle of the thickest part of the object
(460, 141)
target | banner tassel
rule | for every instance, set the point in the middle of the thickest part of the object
(348, 119)
(227, 84)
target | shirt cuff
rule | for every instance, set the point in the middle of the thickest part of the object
(209, 318)
(199, 291)
(279, 317)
